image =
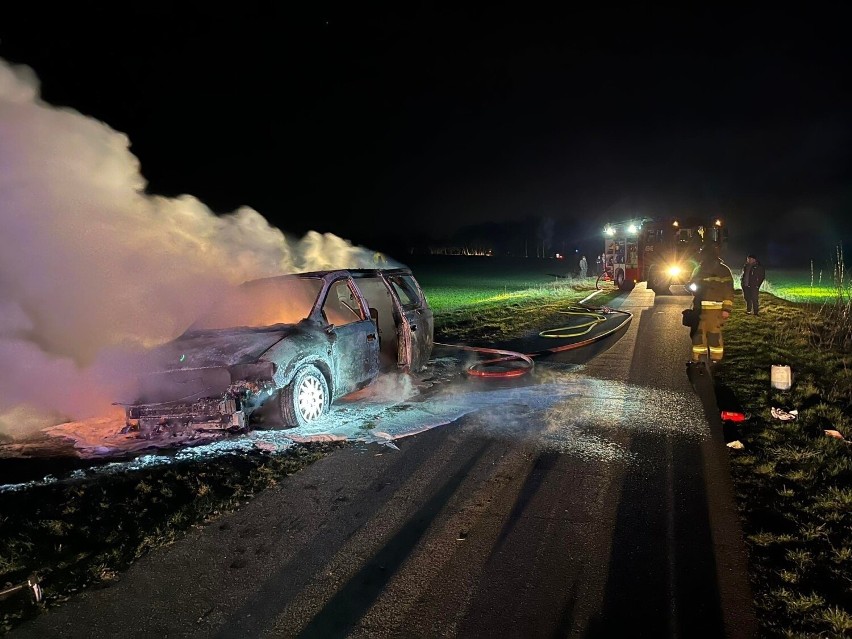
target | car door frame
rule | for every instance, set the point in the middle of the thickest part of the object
(354, 347)
(416, 327)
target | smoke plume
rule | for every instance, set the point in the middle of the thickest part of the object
(93, 268)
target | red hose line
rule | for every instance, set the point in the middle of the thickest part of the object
(475, 370)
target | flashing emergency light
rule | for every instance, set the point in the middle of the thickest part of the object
(609, 230)
(675, 270)
(632, 228)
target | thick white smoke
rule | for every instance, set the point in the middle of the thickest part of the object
(92, 267)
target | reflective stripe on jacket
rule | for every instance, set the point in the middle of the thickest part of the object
(715, 285)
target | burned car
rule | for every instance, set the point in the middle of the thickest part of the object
(282, 349)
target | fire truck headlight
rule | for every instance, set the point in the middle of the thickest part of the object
(675, 270)
(693, 287)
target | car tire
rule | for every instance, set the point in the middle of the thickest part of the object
(305, 399)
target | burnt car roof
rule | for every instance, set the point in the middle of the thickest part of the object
(354, 272)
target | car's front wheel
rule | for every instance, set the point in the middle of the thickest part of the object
(305, 399)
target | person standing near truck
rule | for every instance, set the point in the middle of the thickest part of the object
(712, 286)
(751, 279)
(584, 266)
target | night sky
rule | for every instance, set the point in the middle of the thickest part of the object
(393, 127)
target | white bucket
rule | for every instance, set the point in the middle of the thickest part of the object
(781, 377)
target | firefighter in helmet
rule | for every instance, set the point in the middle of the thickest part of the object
(712, 286)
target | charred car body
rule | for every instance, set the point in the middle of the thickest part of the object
(282, 349)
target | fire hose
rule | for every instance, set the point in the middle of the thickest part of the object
(598, 316)
(476, 370)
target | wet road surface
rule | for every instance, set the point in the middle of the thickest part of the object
(606, 512)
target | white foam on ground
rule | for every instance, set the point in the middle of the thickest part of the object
(562, 411)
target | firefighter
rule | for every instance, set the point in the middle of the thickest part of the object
(712, 285)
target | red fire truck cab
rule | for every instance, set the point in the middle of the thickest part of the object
(659, 251)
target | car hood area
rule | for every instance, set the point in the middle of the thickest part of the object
(216, 349)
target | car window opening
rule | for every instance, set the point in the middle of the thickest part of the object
(341, 305)
(406, 289)
(282, 300)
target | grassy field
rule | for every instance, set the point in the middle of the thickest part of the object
(806, 285)
(793, 483)
(456, 282)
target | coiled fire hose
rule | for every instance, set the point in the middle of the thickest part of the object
(597, 315)
(477, 369)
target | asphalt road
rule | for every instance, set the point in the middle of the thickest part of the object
(607, 514)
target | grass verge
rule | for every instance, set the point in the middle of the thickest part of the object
(793, 482)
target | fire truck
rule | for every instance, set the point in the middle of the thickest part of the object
(659, 251)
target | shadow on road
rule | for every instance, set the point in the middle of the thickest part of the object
(355, 597)
(662, 572)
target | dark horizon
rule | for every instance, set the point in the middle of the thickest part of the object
(393, 128)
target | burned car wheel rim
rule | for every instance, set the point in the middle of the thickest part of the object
(311, 398)
(305, 399)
